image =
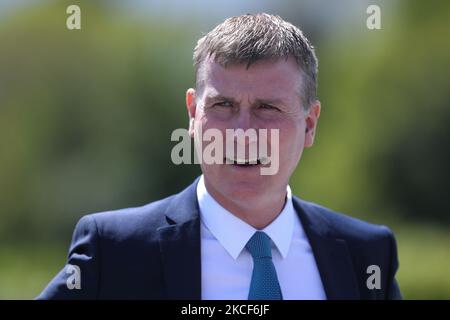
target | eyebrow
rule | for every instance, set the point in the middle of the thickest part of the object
(271, 101)
(257, 101)
(219, 97)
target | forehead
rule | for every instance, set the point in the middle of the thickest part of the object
(264, 78)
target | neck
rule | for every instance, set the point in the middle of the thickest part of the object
(258, 212)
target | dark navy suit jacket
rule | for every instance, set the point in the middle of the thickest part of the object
(153, 252)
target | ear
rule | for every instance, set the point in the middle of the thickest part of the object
(191, 108)
(311, 123)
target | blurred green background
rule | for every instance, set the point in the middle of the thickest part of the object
(86, 117)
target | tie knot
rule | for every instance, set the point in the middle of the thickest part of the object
(259, 245)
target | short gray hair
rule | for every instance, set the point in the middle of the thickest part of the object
(251, 37)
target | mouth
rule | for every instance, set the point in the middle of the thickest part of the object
(246, 162)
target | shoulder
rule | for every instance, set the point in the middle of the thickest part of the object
(127, 222)
(141, 222)
(366, 244)
(343, 226)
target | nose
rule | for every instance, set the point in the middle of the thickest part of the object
(244, 120)
(245, 136)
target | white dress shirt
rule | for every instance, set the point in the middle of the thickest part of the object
(227, 266)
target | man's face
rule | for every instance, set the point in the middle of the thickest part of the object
(264, 96)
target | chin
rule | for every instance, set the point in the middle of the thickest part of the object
(240, 185)
(245, 190)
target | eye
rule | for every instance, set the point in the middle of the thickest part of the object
(268, 107)
(223, 104)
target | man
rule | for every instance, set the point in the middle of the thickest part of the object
(235, 233)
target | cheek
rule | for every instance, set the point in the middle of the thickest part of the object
(208, 122)
(203, 123)
(292, 140)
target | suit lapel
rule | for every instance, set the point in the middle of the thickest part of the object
(180, 246)
(332, 255)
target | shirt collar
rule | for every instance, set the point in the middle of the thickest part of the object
(220, 221)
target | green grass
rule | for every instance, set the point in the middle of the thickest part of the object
(424, 254)
(26, 270)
